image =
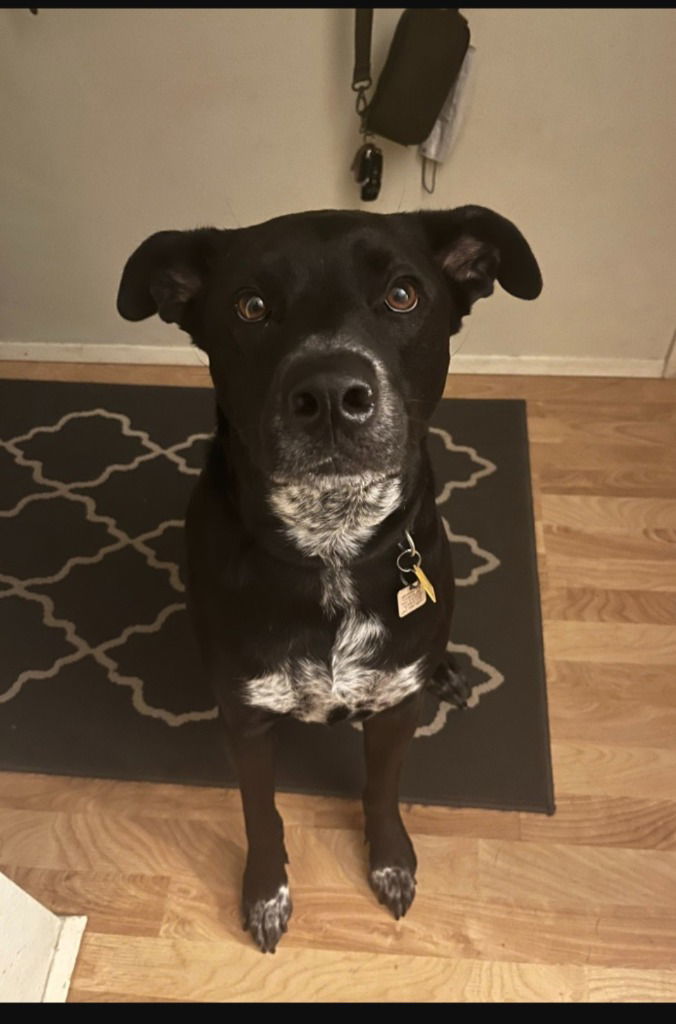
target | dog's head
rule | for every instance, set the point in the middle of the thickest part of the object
(328, 333)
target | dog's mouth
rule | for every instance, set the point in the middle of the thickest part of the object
(326, 476)
(341, 467)
(332, 465)
(378, 451)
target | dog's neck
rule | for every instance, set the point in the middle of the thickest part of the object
(326, 520)
(332, 518)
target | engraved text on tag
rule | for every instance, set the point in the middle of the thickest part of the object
(409, 599)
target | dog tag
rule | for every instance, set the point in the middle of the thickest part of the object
(409, 599)
(425, 583)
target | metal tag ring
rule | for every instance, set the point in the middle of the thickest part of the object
(416, 560)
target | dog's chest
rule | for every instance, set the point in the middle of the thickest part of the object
(347, 684)
(333, 522)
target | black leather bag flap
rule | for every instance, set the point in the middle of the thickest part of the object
(423, 62)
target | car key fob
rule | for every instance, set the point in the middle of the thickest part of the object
(367, 168)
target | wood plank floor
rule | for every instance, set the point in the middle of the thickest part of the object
(578, 907)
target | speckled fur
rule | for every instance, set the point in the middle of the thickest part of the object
(267, 919)
(394, 887)
(332, 518)
(310, 690)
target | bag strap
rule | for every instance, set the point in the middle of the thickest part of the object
(363, 25)
(361, 75)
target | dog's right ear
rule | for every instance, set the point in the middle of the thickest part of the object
(166, 273)
(475, 247)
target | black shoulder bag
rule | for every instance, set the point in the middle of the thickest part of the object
(422, 65)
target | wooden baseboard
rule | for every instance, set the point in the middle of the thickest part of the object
(556, 366)
(670, 360)
(187, 355)
(63, 352)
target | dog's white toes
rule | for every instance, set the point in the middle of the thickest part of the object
(267, 920)
(394, 887)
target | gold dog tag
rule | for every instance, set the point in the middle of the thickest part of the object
(409, 599)
(425, 583)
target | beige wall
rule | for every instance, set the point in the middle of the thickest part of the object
(114, 124)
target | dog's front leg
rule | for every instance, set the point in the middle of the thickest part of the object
(266, 904)
(392, 860)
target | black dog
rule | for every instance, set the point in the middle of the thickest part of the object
(320, 578)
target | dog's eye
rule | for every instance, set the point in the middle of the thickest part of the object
(251, 307)
(402, 297)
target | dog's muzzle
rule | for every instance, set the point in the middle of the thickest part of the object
(334, 413)
(328, 396)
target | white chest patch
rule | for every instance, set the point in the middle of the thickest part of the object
(332, 519)
(310, 690)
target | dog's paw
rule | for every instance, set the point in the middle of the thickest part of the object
(394, 887)
(267, 920)
(448, 683)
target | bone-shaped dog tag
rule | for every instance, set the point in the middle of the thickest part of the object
(409, 599)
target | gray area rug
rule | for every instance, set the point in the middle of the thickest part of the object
(99, 674)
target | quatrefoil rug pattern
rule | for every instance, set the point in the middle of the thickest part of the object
(99, 671)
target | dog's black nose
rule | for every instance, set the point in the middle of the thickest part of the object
(335, 390)
(341, 397)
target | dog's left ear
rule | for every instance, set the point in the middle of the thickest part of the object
(476, 246)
